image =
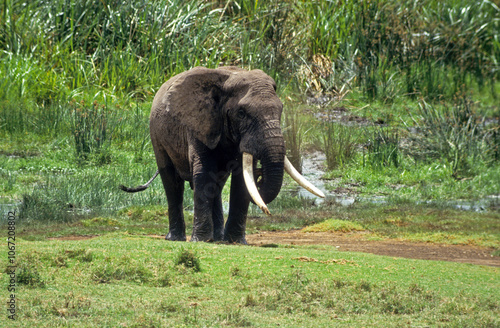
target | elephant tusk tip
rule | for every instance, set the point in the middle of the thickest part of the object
(301, 180)
(266, 211)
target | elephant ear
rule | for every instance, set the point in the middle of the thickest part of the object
(193, 101)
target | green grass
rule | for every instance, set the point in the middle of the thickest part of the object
(128, 280)
(76, 85)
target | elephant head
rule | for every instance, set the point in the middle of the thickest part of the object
(208, 123)
(253, 115)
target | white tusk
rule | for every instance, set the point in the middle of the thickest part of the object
(301, 180)
(250, 182)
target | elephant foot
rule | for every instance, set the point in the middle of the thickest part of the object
(197, 238)
(219, 236)
(236, 240)
(175, 237)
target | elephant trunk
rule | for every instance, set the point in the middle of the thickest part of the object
(272, 158)
(272, 177)
(269, 148)
(271, 154)
(270, 185)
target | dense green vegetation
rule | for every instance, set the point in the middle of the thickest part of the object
(386, 48)
(77, 79)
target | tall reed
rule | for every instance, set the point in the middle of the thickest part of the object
(383, 148)
(93, 126)
(340, 145)
(428, 47)
(455, 134)
(293, 133)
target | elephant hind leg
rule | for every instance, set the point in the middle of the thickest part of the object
(174, 189)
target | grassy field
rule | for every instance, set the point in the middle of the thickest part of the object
(133, 281)
(400, 97)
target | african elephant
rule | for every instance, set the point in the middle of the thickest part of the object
(206, 124)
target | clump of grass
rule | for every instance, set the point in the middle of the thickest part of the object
(70, 306)
(340, 145)
(382, 149)
(334, 225)
(141, 214)
(38, 206)
(124, 268)
(293, 139)
(27, 273)
(83, 255)
(189, 259)
(60, 261)
(100, 221)
(234, 316)
(235, 271)
(163, 280)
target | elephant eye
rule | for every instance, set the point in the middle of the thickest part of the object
(241, 114)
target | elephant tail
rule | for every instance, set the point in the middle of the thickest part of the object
(140, 188)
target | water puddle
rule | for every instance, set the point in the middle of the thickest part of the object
(313, 169)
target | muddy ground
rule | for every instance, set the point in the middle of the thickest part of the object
(354, 242)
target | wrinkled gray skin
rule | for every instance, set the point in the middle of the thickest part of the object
(201, 122)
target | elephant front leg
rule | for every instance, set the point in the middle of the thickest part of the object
(206, 191)
(218, 218)
(239, 201)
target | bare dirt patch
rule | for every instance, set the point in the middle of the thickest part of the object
(354, 242)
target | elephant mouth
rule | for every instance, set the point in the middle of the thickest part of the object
(250, 181)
